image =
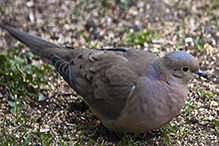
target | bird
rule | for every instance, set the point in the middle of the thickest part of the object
(130, 90)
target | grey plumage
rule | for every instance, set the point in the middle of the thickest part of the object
(129, 90)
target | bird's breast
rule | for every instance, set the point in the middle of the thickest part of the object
(150, 106)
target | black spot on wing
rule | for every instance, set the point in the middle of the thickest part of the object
(72, 62)
(120, 49)
(90, 79)
(92, 71)
(80, 67)
(85, 76)
(80, 57)
(114, 49)
(69, 47)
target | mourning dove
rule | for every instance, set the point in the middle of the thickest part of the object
(130, 90)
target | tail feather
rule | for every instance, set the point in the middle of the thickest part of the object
(37, 45)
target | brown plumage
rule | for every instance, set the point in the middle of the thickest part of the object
(129, 90)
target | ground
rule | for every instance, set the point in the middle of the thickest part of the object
(103, 23)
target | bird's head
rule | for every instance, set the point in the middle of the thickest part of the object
(182, 65)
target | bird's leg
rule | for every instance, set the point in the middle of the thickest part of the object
(116, 133)
(144, 135)
(151, 132)
(154, 131)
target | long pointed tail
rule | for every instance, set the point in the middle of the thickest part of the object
(38, 45)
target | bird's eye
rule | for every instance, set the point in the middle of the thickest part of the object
(185, 69)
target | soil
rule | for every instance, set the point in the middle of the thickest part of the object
(103, 24)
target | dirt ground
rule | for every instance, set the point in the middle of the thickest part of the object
(64, 110)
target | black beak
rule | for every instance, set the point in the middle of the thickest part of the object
(200, 73)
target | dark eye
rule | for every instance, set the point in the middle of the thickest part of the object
(185, 68)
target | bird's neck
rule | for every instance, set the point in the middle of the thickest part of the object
(160, 73)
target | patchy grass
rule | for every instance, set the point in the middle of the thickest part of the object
(20, 78)
(11, 139)
(88, 44)
(101, 4)
(199, 44)
(177, 132)
(217, 21)
(215, 4)
(140, 38)
(25, 136)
